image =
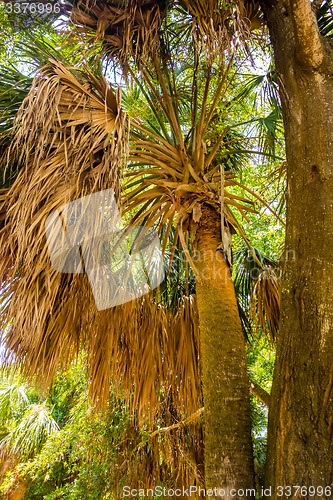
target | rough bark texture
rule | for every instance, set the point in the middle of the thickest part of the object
(228, 444)
(301, 410)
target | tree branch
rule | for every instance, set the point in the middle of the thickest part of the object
(260, 393)
(255, 389)
(309, 47)
(187, 420)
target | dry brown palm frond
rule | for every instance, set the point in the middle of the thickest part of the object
(69, 136)
(211, 21)
(126, 28)
(157, 352)
(187, 348)
(153, 352)
(266, 299)
(219, 23)
(249, 15)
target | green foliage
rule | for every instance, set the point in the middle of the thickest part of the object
(67, 390)
(325, 18)
(13, 400)
(28, 436)
(260, 358)
(77, 459)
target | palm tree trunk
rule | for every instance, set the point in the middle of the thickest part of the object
(228, 445)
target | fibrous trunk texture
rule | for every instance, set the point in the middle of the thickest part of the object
(228, 445)
(301, 410)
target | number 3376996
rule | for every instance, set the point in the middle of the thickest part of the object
(304, 491)
(32, 8)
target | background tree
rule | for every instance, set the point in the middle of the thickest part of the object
(300, 422)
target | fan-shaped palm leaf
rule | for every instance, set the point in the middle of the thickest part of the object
(26, 439)
(13, 398)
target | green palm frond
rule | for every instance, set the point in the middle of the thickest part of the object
(264, 91)
(26, 439)
(263, 87)
(13, 90)
(325, 18)
(13, 399)
(270, 128)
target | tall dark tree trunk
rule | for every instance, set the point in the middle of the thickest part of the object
(228, 444)
(301, 411)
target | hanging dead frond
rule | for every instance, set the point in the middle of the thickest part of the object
(249, 15)
(211, 24)
(126, 29)
(266, 299)
(218, 24)
(70, 137)
(152, 352)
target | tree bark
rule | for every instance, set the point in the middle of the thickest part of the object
(228, 444)
(301, 409)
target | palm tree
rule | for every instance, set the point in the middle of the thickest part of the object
(71, 137)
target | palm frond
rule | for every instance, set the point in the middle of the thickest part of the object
(216, 22)
(325, 18)
(69, 139)
(266, 299)
(263, 87)
(258, 288)
(13, 398)
(28, 436)
(125, 29)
